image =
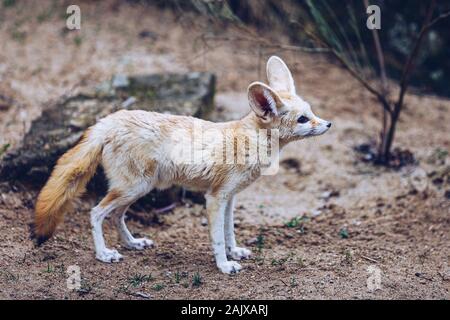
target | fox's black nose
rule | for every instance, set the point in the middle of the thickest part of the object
(329, 124)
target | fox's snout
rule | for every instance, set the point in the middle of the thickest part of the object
(321, 126)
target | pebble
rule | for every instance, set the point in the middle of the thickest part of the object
(120, 81)
(316, 212)
(251, 241)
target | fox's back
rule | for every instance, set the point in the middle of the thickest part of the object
(156, 147)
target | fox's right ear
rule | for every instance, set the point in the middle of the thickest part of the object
(279, 75)
(263, 100)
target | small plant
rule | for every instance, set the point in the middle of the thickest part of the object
(260, 241)
(49, 268)
(150, 94)
(158, 287)
(282, 261)
(46, 14)
(197, 280)
(348, 257)
(177, 277)
(300, 262)
(4, 148)
(138, 279)
(9, 276)
(439, 156)
(9, 3)
(77, 41)
(297, 223)
(294, 222)
(85, 288)
(343, 233)
(180, 275)
(278, 262)
(259, 260)
(18, 35)
(293, 282)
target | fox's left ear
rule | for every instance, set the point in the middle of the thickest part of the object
(279, 76)
(264, 101)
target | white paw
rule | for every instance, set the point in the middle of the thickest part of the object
(139, 244)
(109, 256)
(229, 267)
(238, 253)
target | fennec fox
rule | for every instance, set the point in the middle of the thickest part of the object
(136, 150)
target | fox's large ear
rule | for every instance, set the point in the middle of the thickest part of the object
(279, 76)
(263, 100)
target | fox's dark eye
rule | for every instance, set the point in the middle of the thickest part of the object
(303, 119)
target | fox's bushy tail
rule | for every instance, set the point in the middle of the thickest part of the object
(68, 180)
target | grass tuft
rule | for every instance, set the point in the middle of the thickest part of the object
(343, 233)
(158, 286)
(138, 279)
(4, 148)
(9, 3)
(197, 280)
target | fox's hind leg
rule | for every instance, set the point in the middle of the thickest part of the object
(116, 199)
(127, 238)
(98, 215)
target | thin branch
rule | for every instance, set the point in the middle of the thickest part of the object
(354, 24)
(340, 31)
(380, 96)
(437, 19)
(429, 23)
(266, 43)
(369, 259)
(383, 78)
(353, 72)
(380, 55)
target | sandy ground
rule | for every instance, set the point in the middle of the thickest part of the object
(349, 217)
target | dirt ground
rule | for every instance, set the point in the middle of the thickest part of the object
(322, 228)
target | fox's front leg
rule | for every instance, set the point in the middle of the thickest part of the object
(236, 253)
(216, 207)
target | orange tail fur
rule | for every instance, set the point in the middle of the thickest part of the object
(68, 180)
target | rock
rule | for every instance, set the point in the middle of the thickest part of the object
(120, 81)
(418, 180)
(142, 295)
(291, 164)
(251, 241)
(5, 102)
(148, 34)
(61, 126)
(326, 195)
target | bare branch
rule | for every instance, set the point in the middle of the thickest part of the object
(265, 43)
(427, 25)
(380, 55)
(383, 77)
(437, 19)
(380, 96)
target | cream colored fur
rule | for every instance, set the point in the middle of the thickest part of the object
(140, 151)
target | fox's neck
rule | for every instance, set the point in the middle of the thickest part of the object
(252, 122)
